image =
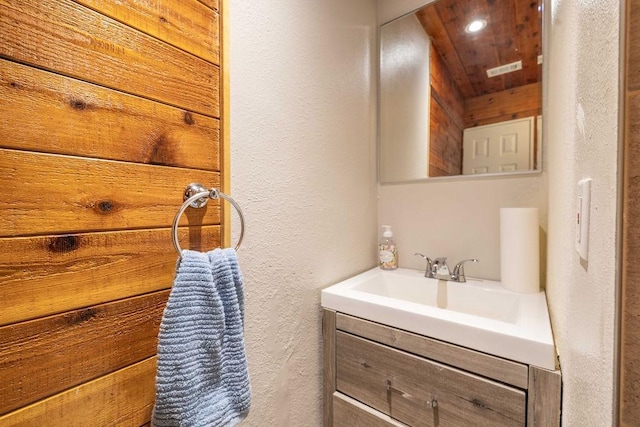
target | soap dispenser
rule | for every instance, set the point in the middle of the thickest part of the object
(388, 253)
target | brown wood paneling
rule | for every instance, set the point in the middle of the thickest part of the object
(629, 375)
(92, 194)
(445, 143)
(187, 24)
(455, 16)
(528, 39)
(446, 121)
(432, 23)
(81, 43)
(213, 4)
(42, 276)
(632, 76)
(49, 355)
(105, 120)
(630, 298)
(513, 33)
(96, 122)
(503, 21)
(521, 102)
(124, 398)
(445, 90)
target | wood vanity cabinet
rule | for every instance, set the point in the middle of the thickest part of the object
(376, 375)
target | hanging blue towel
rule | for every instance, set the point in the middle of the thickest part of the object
(202, 378)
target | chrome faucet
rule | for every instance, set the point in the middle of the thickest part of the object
(458, 270)
(428, 272)
(438, 269)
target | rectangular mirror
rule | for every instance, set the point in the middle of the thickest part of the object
(460, 90)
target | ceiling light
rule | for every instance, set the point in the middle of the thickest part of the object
(475, 26)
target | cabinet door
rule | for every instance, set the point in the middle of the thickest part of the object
(419, 392)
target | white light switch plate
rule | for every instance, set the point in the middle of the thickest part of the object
(583, 208)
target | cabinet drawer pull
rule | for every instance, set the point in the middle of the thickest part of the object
(391, 388)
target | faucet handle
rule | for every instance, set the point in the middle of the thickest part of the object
(458, 270)
(427, 272)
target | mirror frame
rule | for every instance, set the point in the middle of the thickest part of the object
(541, 151)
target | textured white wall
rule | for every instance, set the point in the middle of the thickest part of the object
(303, 90)
(582, 128)
(458, 218)
(303, 168)
(404, 95)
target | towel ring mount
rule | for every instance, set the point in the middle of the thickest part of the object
(197, 196)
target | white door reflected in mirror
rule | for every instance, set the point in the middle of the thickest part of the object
(501, 147)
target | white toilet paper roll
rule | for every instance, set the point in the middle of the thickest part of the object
(520, 249)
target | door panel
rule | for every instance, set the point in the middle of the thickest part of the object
(501, 147)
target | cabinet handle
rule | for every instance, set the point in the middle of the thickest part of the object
(433, 404)
(390, 388)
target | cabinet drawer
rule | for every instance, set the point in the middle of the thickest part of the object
(348, 412)
(417, 391)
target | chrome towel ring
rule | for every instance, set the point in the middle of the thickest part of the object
(196, 196)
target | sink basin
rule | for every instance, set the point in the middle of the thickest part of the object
(478, 314)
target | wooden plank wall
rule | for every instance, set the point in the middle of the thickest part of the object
(446, 121)
(108, 110)
(629, 385)
(510, 104)
(450, 114)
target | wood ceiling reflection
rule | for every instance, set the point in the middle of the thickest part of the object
(513, 33)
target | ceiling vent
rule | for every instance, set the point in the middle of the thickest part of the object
(504, 69)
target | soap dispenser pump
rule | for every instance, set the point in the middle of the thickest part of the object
(388, 253)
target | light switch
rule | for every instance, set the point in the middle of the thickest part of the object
(583, 208)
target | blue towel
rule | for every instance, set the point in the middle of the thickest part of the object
(202, 378)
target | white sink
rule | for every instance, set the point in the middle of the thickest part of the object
(478, 314)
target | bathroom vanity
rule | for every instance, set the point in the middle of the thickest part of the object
(379, 374)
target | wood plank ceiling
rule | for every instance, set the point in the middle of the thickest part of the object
(513, 33)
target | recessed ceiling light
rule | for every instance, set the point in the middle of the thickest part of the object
(475, 26)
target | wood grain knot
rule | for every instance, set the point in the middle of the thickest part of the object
(188, 118)
(161, 151)
(365, 365)
(163, 20)
(78, 104)
(14, 85)
(478, 403)
(105, 206)
(64, 244)
(81, 316)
